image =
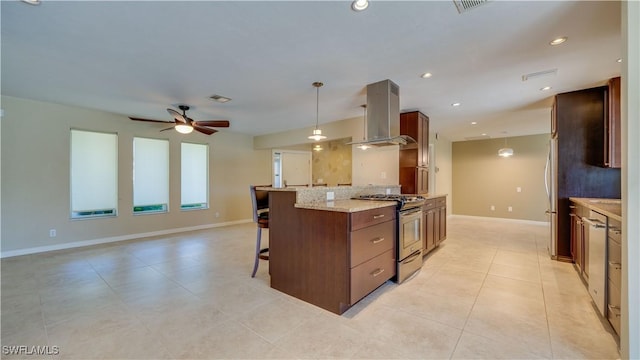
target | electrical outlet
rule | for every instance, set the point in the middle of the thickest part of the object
(510, 209)
(493, 208)
(518, 189)
(217, 214)
(388, 191)
(330, 195)
(383, 175)
(52, 233)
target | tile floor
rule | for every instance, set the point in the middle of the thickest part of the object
(489, 291)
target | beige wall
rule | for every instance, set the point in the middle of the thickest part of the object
(377, 166)
(442, 168)
(630, 337)
(481, 178)
(35, 177)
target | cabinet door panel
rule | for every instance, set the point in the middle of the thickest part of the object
(367, 276)
(371, 241)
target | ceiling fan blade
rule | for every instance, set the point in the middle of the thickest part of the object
(169, 128)
(176, 115)
(147, 120)
(205, 130)
(214, 123)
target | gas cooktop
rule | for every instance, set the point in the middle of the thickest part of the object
(404, 201)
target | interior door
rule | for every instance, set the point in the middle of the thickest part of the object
(296, 167)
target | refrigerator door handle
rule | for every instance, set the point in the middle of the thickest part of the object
(546, 175)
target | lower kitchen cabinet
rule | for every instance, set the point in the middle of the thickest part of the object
(578, 241)
(614, 273)
(331, 259)
(435, 223)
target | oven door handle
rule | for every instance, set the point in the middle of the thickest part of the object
(410, 212)
(411, 258)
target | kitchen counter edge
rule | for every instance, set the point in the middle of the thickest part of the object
(608, 207)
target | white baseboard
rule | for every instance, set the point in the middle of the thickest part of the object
(75, 244)
(517, 221)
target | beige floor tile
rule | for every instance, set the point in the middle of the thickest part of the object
(489, 291)
(473, 346)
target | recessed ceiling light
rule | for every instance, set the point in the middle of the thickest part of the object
(619, 60)
(426, 75)
(219, 98)
(359, 5)
(545, 88)
(455, 104)
(558, 41)
(474, 122)
(31, 2)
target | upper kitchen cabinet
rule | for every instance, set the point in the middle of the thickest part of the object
(414, 157)
(612, 147)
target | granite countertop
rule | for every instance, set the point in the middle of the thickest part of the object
(608, 207)
(348, 205)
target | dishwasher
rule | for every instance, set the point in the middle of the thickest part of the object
(597, 240)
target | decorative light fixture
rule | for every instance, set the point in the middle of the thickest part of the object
(317, 147)
(558, 41)
(317, 133)
(364, 129)
(359, 5)
(506, 151)
(184, 128)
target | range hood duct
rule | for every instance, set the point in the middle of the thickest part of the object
(383, 120)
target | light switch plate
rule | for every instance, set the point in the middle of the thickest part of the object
(330, 195)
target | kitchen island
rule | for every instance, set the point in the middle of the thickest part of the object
(330, 253)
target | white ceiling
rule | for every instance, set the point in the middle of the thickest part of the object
(138, 58)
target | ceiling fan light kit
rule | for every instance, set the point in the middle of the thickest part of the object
(186, 125)
(317, 133)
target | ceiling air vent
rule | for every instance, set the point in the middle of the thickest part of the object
(466, 5)
(539, 74)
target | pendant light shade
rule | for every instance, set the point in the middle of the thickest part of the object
(364, 129)
(317, 133)
(506, 151)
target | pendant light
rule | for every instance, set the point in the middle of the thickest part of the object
(506, 151)
(364, 129)
(317, 133)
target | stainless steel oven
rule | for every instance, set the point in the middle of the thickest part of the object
(410, 234)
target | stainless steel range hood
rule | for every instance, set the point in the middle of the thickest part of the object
(383, 120)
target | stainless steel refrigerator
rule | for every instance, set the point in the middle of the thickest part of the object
(551, 185)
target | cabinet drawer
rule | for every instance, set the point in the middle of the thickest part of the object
(613, 305)
(441, 201)
(429, 204)
(367, 276)
(614, 271)
(366, 218)
(372, 241)
(615, 233)
(614, 262)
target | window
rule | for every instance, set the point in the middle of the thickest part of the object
(195, 176)
(94, 174)
(150, 175)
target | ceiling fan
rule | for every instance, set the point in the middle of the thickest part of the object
(185, 124)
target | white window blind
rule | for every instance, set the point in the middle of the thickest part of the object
(94, 174)
(150, 175)
(194, 176)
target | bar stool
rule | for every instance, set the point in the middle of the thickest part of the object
(260, 202)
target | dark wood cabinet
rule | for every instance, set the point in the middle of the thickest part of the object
(414, 157)
(331, 259)
(578, 241)
(435, 223)
(580, 117)
(614, 273)
(612, 141)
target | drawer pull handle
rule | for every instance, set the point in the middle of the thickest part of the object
(378, 216)
(377, 272)
(377, 240)
(615, 310)
(615, 231)
(616, 265)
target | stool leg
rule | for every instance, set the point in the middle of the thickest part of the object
(257, 261)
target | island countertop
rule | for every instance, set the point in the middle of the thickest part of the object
(347, 205)
(608, 207)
